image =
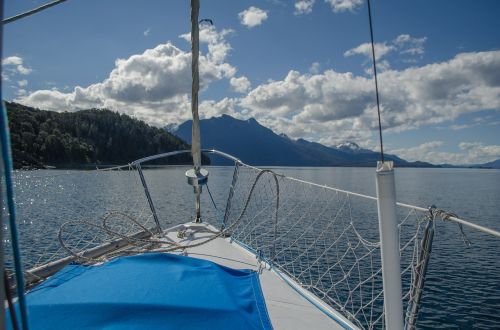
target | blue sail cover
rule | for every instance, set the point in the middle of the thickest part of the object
(149, 291)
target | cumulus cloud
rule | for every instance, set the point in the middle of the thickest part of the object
(211, 108)
(152, 86)
(407, 44)
(252, 16)
(317, 106)
(304, 105)
(240, 85)
(410, 49)
(14, 64)
(479, 153)
(23, 70)
(488, 120)
(22, 83)
(381, 49)
(328, 107)
(303, 7)
(344, 5)
(365, 49)
(472, 153)
(146, 32)
(12, 60)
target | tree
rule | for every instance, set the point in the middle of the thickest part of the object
(89, 136)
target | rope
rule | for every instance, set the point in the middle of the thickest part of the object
(155, 241)
(31, 12)
(130, 218)
(112, 233)
(445, 216)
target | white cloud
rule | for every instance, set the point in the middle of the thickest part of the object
(314, 68)
(410, 45)
(381, 49)
(12, 60)
(228, 106)
(152, 86)
(315, 105)
(218, 47)
(15, 64)
(410, 50)
(303, 7)
(252, 17)
(146, 32)
(479, 153)
(328, 107)
(22, 83)
(365, 49)
(311, 106)
(473, 153)
(459, 127)
(344, 5)
(424, 152)
(23, 70)
(240, 85)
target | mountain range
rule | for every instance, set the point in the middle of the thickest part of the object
(73, 139)
(257, 145)
(494, 164)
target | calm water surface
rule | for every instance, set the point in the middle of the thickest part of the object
(463, 285)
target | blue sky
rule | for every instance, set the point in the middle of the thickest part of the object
(299, 67)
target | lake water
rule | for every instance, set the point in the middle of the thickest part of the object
(463, 282)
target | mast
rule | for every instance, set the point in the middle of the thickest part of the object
(196, 176)
(195, 50)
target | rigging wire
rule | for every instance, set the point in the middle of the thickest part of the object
(31, 12)
(6, 156)
(376, 83)
(10, 303)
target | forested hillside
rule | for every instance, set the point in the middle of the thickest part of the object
(70, 139)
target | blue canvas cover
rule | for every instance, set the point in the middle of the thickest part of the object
(149, 291)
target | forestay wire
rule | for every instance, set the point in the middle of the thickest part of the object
(31, 12)
(376, 81)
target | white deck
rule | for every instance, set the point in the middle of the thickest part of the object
(288, 309)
